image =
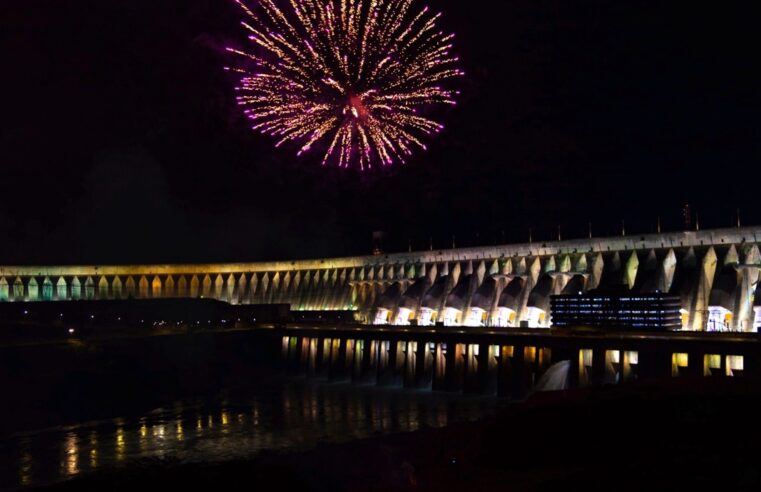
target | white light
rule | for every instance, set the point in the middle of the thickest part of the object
(71, 331)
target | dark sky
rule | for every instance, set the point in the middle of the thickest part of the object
(120, 140)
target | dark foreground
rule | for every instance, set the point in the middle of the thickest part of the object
(666, 435)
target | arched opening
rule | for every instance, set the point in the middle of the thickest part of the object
(47, 289)
(60, 288)
(76, 289)
(230, 290)
(264, 287)
(143, 287)
(274, 296)
(219, 284)
(242, 284)
(253, 285)
(722, 300)
(194, 286)
(182, 287)
(156, 287)
(18, 289)
(387, 304)
(4, 291)
(539, 302)
(34, 290)
(509, 303)
(131, 287)
(89, 289)
(116, 287)
(169, 287)
(206, 286)
(102, 288)
(481, 303)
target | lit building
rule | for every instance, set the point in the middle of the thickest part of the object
(622, 310)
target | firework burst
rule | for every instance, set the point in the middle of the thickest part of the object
(356, 77)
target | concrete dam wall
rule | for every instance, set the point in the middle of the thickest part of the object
(714, 272)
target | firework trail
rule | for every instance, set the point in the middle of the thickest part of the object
(353, 76)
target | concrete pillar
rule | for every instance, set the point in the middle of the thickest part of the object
(398, 361)
(384, 363)
(472, 359)
(695, 365)
(350, 358)
(530, 367)
(752, 363)
(439, 367)
(314, 352)
(357, 365)
(410, 363)
(369, 364)
(487, 368)
(284, 348)
(544, 361)
(324, 350)
(505, 370)
(654, 364)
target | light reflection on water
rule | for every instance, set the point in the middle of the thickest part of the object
(295, 417)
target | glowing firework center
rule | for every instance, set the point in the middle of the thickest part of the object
(387, 61)
(356, 108)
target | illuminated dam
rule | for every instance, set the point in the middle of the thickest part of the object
(715, 274)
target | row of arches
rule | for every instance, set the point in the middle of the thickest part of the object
(505, 291)
(717, 287)
(308, 291)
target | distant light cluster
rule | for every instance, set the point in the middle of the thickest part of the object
(356, 77)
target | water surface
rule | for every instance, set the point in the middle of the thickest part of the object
(291, 416)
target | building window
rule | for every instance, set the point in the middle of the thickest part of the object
(735, 365)
(678, 363)
(711, 365)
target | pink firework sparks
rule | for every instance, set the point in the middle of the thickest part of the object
(353, 76)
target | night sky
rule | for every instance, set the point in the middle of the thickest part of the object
(121, 142)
